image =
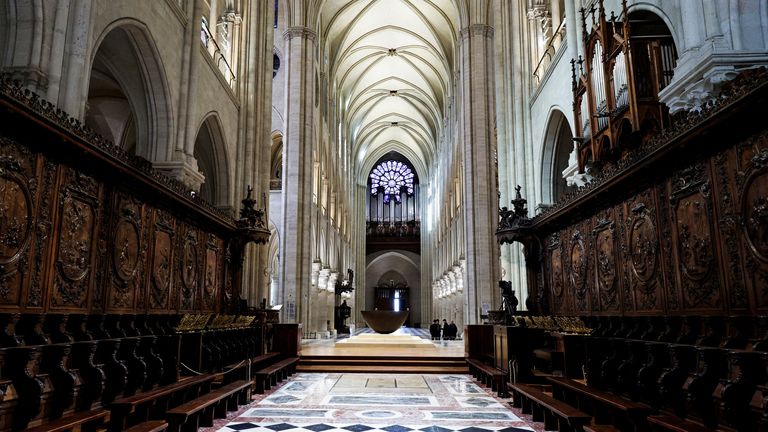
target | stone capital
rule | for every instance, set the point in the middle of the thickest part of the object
(483, 30)
(302, 32)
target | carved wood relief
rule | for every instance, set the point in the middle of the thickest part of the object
(642, 253)
(752, 183)
(162, 261)
(127, 253)
(692, 218)
(79, 211)
(577, 265)
(18, 190)
(212, 272)
(606, 297)
(695, 242)
(189, 269)
(555, 263)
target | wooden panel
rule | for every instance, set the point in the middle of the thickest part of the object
(78, 215)
(126, 254)
(559, 300)
(18, 201)
(752, 204)
(161, 261)
(607, 277)
(692, 230)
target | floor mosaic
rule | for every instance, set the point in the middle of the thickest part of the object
(335, 402)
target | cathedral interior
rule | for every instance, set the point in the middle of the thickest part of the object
(383, 215)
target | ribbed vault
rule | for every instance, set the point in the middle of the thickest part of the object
(390, 62)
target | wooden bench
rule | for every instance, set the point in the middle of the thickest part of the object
(153, 404)
(272, 374)
(556, 415)
(600, 428)
(606, 408)
(86, 421)
(264, 359)
(675, 424)
(488, 375)
(191, 415)
(150, 426)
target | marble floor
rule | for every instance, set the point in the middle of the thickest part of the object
(328, 347)
(347, 402)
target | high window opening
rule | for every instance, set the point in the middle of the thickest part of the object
(393, 197)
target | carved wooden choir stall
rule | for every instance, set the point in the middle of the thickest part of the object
(119, 290)
(647, 288)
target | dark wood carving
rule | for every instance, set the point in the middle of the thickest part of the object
(607, 277)
(18, 187)
(127, 253)
(577, 270)
(86, 228)
(78, 222)
(678, 225)
(692, 216)
(162, 261)
(555, 261)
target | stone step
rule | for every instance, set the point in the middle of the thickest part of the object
(382, 369)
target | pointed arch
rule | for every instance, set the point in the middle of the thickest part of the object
(211, 155)
(127, 82)
(557, 147)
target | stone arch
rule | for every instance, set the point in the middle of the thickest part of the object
(676, 32)
(273, 262)
(276, 161)
(558, 145)
(127, 85)
(211, 155)
(22, 33)
(407, 264)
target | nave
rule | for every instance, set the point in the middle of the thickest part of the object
(343, 402)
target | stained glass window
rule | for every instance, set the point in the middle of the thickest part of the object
(390, 178)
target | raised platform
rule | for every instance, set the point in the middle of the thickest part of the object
(386, 340)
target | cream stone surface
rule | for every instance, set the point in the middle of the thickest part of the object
(300, 99)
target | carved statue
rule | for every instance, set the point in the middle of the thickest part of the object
(509, 300)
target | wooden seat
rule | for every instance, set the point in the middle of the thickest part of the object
(675, 424)
(264, 359)
(607, 408)
(150, 426)
(600, 428)
(272, 374)
(555, 414)
(139, 408)
(488, 375)
(85, 421)
(201, 411)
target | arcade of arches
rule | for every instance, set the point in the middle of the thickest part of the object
(386, 148)
(305, 100)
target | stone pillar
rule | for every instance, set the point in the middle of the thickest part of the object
(478, 148)
(718, 40)
(360, 262)
(297, 168)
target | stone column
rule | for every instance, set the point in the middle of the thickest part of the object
(252, 51)
(179, 162)
(360, 262)
(297, 168)
(478, 148)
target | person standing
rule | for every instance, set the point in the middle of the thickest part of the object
(434, 329)
(446, 329)
(454, 330)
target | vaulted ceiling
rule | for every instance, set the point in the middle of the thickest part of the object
(391, 62)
